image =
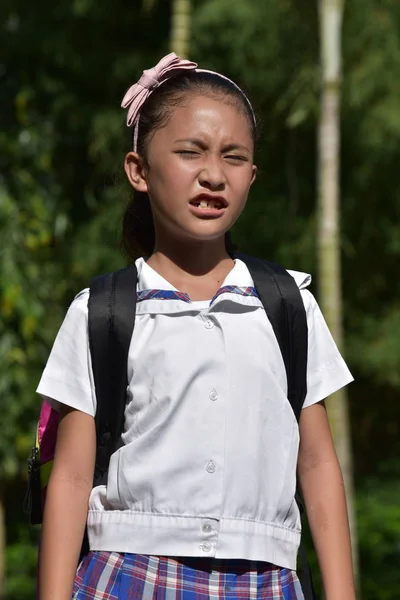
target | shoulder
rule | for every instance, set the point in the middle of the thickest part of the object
(78, 310)
(67, 377)
(80, 302)
(303, 280)
(251, 266)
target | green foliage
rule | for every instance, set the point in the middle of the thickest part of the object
(378, 519)
(379, 534)
(379, 346)
(21, 561)
(62, 193)
(31, 226)
(62, 140)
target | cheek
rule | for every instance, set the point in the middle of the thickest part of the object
(178, 172)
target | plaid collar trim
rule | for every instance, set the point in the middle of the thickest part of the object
(235, 289)
(143, 295)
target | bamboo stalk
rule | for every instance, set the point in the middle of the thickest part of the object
(180, 27)
(331, 16)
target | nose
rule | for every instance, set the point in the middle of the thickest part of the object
(212, 176)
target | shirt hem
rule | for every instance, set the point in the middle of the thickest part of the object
(161, 535)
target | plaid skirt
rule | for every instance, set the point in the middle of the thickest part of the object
(114, 576)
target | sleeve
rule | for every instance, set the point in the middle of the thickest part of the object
(327, 372)
(68, 378)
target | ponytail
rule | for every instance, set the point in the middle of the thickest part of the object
(138, 237)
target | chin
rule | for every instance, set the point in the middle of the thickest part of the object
(210, 230)
(207, 236)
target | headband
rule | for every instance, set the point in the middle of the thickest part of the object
(169, 66)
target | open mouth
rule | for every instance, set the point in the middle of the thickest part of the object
(209, 203)
(215, 204)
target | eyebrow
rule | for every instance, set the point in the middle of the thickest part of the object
(203, 146)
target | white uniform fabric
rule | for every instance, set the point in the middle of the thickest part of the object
(208, 465)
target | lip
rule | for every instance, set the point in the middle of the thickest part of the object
(208, 212)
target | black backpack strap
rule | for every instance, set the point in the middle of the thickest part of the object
(112, 308)
(284, 306)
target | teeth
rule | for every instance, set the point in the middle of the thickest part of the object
(209, 204)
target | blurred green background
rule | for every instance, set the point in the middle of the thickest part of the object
(64, 67)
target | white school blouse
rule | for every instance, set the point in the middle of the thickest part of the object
(210, 444)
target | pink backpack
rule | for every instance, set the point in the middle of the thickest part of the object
(40, 461)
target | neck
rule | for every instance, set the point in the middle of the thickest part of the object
(193, 257)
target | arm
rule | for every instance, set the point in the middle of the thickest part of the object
(66, 506)
(323, 491)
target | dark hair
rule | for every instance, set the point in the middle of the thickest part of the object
(138, 236)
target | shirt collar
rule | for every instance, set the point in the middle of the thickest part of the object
(149, 279)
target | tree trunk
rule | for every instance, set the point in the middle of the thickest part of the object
(331, 16)
(180, 27)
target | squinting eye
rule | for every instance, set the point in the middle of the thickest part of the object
(188, 153)
(236, 157)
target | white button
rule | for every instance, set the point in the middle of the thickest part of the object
(207, 528)
(210, 468)
(213, 395)
(208, 324)
(206, 547)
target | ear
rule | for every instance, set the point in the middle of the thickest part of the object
(253, 174)
(135, 171)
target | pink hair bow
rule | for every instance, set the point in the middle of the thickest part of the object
(168, 67)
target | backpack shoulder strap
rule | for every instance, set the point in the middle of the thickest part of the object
(284, 307)
(112, 308)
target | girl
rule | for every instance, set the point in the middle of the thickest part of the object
(188, 511)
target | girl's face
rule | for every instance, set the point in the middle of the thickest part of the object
(199, 170)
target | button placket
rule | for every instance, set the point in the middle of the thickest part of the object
(212, 448)
(210, 529)
(208, 321)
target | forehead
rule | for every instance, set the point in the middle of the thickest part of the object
(212, 119)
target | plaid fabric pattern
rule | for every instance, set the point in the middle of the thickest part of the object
(235, 289)
(175, 295)
(161, 295)
(114, 576)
